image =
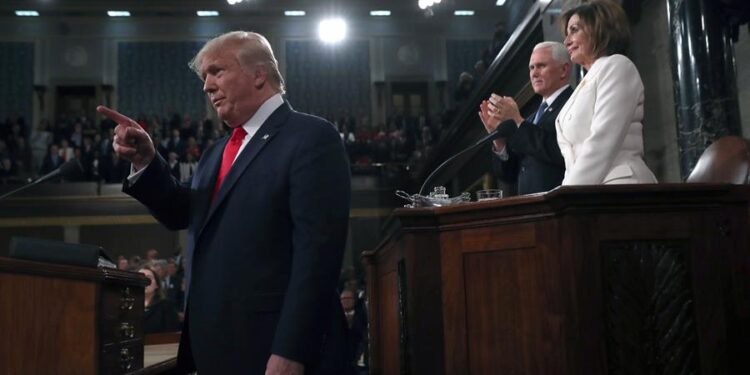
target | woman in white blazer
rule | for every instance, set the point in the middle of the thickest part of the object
(599, 129)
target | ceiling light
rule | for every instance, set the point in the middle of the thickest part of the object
(27, 13)
(380, 13)
(294, 13)
(332, 30)
(500, 3)
(207, 13)
(233, 2)
(118, 13)
(463, 13)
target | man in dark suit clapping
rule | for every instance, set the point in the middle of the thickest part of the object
(267, 212)
(528, 153)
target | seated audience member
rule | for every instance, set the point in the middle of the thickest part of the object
(174, 164)
(52, 160)
(122, 263)
(66, 152)
(7, 171)
(114, 169)
(599, 129)
(172, 282)
(187, 167)
(159, 314)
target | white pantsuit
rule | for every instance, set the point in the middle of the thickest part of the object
(599, 129)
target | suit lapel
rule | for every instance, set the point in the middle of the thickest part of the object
(259, 141)
(203, 183)
(554, 108)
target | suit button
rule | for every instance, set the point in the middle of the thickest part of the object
(523, 169)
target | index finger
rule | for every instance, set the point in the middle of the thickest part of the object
(115, 116)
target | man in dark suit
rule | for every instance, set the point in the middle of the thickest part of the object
(528, 154)
(267, 213)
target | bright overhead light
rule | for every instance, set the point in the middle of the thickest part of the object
(380, 13)
(233, 2)
(207, 13)
(118, 13)
(500, 3)
(332, 30)
(27, 13)
(424, 4)
(294, 13)
(463, 13)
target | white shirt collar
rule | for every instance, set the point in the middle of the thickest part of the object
(551, 99)
(261, 115)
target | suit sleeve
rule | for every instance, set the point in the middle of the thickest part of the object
(161, 192)
(507, 170)
(618, 92)
(535, 141)
(319, 202)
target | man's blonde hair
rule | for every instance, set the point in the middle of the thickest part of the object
(250, 49)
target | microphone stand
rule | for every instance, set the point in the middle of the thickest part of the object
(499, 132)
(65, 169)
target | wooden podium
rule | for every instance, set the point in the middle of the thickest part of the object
(58, 319)
(632, 279)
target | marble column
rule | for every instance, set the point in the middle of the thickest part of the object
(705, 84)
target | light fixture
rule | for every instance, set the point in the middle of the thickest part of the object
(234, 2)
(294, 13)
(500, 3)
(332, 30)
(424, 4)
(27, 13)
(380, 13)
(463, 13)
(207, 13)
(118, 13)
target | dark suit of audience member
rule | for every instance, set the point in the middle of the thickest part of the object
(114, 169)
(266, 237)
(527, 155)
(174, 165)
(51, 161)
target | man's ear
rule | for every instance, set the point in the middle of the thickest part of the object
(565, 71)
(260, 75)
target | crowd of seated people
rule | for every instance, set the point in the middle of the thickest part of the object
(15, 153)
(27, 154)
(403, 141)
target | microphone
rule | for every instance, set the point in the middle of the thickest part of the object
(67, 169)
(504, 130)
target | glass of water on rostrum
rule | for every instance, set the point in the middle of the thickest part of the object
(489, 195)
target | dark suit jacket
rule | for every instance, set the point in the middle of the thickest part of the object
(535, 162)
(263, 259)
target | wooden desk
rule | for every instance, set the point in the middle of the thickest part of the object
(581, 280)
(58, 319)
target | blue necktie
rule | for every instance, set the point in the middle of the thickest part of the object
(540, 112)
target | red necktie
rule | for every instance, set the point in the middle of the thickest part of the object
(230, 153)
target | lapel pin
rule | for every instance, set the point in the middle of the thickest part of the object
(265, 137)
